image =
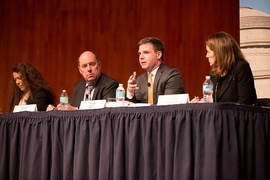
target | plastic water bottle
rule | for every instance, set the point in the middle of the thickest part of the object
(64, 100)
(120, 95)
(207, 90)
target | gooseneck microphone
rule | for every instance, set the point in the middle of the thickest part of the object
(148, 84)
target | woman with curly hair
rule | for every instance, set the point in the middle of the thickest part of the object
(27, 86)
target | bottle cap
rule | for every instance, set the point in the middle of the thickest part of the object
(120, 85)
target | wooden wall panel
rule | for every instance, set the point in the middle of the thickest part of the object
(52, 34)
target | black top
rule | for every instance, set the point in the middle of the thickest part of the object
(42, 99)
(236, 86)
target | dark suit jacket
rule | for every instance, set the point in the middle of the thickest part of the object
(105, 88)
(42, 99)
(238, 85)
(167, 81)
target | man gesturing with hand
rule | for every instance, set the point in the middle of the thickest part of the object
(159, 79)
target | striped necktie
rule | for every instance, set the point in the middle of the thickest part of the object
(88, 93)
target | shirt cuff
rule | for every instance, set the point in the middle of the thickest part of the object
(130, 95)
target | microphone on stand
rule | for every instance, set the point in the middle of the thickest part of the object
(148, 84)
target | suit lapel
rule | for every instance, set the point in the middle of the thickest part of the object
(156, 82)
(158, 75)
(81, 92)
(96, 90)
(97, 87)
(225, 85)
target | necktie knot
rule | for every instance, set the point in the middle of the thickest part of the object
(89, 88)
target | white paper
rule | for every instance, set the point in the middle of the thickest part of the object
(94, 104)
(139, 105)
(173, 99)
(28, 107)
(111, 104)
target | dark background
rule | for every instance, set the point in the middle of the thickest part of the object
(52, 34)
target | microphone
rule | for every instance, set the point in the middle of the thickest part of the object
(148, 84)
(86, 96)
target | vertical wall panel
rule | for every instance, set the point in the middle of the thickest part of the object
(52, 34)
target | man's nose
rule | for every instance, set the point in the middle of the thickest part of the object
(88, 67)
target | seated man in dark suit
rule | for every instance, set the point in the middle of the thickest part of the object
(95, 85)
(159, 78)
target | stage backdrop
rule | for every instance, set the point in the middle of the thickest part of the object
(52, 34)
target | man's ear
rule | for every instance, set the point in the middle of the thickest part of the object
(159, 54)
(79, 69)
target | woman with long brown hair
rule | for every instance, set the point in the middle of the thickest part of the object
(230, 72)
(27, 86)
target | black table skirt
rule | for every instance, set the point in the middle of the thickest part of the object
(188, 141)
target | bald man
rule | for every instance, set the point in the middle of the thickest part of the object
(95, 85)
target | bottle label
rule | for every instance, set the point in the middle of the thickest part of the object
(64, 99)
(207, 87)
(120, 94)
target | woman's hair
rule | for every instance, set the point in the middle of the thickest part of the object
(157, 44)
(226, 51)
(32, 78)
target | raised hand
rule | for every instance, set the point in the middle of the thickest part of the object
(132, 86)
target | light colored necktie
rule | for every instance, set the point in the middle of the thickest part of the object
(150, 89)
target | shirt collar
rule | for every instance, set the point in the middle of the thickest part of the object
(154, 72)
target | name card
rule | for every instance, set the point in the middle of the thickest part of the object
(94, 104)
(173, 99)
(28, 107)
